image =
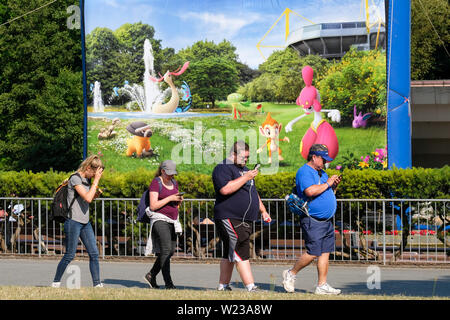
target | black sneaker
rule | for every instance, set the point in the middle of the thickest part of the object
(227, 288)
(151, 281)
(170, 286)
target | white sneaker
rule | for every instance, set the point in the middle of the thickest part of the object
(326, 289)
(254, 289)
(289, 281)
(100, 285)
(56, 284)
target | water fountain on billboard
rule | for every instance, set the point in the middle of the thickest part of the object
(145, 96)
(98, 102)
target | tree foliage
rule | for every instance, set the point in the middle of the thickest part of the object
(212, 78)
(430, 32)
(281, 76)
(358, 79)
(208, 49)
(214, 71)
(113, 57)
(41, 88)
(4, 11)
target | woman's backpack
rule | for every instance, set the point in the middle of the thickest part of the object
(60, 210)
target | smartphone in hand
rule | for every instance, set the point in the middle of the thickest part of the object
(98, 193)
(257, 166)
(181, 193)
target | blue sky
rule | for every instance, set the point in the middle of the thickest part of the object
(180, 23)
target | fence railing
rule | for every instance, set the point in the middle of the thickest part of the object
(384, 230)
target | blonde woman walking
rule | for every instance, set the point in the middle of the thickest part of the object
(78, 226)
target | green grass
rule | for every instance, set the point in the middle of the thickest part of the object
(45, 293)
(359, 141)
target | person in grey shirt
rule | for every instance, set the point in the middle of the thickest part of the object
(78, 226)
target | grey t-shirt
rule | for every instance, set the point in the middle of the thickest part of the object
(80, 208)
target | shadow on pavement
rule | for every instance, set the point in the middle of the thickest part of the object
(439, 287)
(126, 283)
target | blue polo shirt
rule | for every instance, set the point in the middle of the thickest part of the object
(324, 205)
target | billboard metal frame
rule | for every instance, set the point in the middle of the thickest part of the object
(398, 74)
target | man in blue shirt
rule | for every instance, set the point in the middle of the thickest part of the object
(314, 186)
(237, 206)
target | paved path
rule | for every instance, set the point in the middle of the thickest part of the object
(408, 281)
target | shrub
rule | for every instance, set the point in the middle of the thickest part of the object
(415, 183)
(359, 79)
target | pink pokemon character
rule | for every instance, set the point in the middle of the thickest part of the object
(360, 120)
(321, 131)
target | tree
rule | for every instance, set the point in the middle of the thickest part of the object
(104, 61)
(246, 74)
(4, 11)
(280, 60)
(430, 36)
(131, 38)
(280, 79)
(50, 139)
(213, 71)
(113, 57)
(287, 86)
(208, 49)
(212, 78)
(358, 79)
(40, 57)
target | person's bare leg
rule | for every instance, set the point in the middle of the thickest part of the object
(322, 268)
(304, 261)
(226, 270)
(245, 271)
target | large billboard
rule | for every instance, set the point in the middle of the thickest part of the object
(183, 80)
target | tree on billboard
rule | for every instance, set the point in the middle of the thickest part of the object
(208, 49)
(224, 50)
(246, 74)
(41, 97)
(113, 57)
(131, 37)
(280, 79)
(359, 79)
(104, 62)
(212, 78)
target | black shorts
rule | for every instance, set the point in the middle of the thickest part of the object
(235, 237)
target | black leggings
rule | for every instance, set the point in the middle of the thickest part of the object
(165, 235)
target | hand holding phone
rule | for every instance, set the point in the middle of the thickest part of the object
(181, 193)
(337, 181)
(257, 166)
(98, 193)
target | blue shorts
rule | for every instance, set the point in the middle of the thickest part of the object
(319, 235)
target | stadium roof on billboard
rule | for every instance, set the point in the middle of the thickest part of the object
(333, 40)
